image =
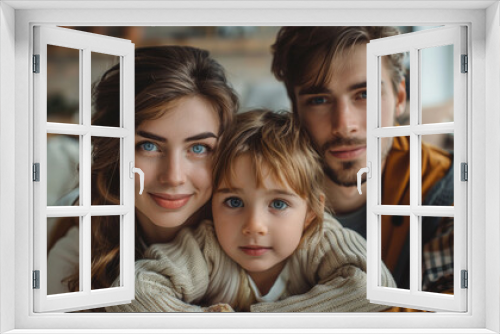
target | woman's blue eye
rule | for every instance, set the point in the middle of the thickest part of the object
(279, 205)
(234, 202)
(363, 95)
(148, 146)
(199, 149)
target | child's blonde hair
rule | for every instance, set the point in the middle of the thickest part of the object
(275, 140)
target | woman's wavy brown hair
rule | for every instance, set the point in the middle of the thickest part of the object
(163, 75)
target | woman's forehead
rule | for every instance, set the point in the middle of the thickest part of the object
(189, 117)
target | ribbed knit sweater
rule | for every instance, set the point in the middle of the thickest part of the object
(191, 273)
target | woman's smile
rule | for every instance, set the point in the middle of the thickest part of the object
(171, 201)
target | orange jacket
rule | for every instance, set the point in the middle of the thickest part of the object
(396, 185)
(396, 190)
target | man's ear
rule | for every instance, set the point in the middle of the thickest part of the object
(401, 98)
(310, 216)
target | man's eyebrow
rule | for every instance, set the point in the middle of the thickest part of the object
(203, 135)
(314, 90)
(358, 85)
(323, 90)
(150, 135)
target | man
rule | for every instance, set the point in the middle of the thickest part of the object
(324, 71)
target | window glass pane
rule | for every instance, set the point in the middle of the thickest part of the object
(106, 171)
(394, 95)
(437, 159)
(396, 174)
(63, 251)
(63, 84)
(437, 254)
(436, 91)
(395, 248)
(63, 158)
(105, 250)
(109, 90)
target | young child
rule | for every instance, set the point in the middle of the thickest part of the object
(270, 247)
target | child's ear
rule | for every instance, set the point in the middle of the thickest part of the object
(322, 201)
(311, 215)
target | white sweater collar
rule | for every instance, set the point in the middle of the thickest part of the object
(276, 290)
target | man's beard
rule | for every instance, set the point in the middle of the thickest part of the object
(345, 174)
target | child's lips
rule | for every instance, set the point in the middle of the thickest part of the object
(255, 250)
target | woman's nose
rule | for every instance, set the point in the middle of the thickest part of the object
(255, 225)
(172, 171)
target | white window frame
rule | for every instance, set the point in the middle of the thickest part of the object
(85, 44)
(16, 21)
(413, 43)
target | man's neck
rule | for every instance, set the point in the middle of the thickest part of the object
(343, 200)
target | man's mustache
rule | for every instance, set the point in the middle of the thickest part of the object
(342, 141)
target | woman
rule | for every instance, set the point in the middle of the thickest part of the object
(183, 103)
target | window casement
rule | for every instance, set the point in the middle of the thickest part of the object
(86, 45)
(482, 302)
(416, 46)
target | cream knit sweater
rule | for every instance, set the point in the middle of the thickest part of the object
(192, 273)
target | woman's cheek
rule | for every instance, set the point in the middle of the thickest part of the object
(202, 176)
(148, 168)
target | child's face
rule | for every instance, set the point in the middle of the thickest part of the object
(258, 227)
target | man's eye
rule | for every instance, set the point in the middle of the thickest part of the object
(317, 100)
(234, 202)
(362, 95)
(279, 205)
(148, 146)
(199, 149)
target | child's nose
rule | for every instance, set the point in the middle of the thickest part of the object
(255, 224)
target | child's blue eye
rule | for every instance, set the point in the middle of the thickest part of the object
(279, 205)
(148, 146)
(199, 149)
(234, 202)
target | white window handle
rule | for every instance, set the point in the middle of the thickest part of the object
(368, 171)
(138, 171)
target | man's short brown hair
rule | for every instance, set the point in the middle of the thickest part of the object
(304, 55)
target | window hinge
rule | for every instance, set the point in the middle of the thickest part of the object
(36, 172)
(465, 279)
(464, 172)
(36, 63)
(36, 279)
(465, 64)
